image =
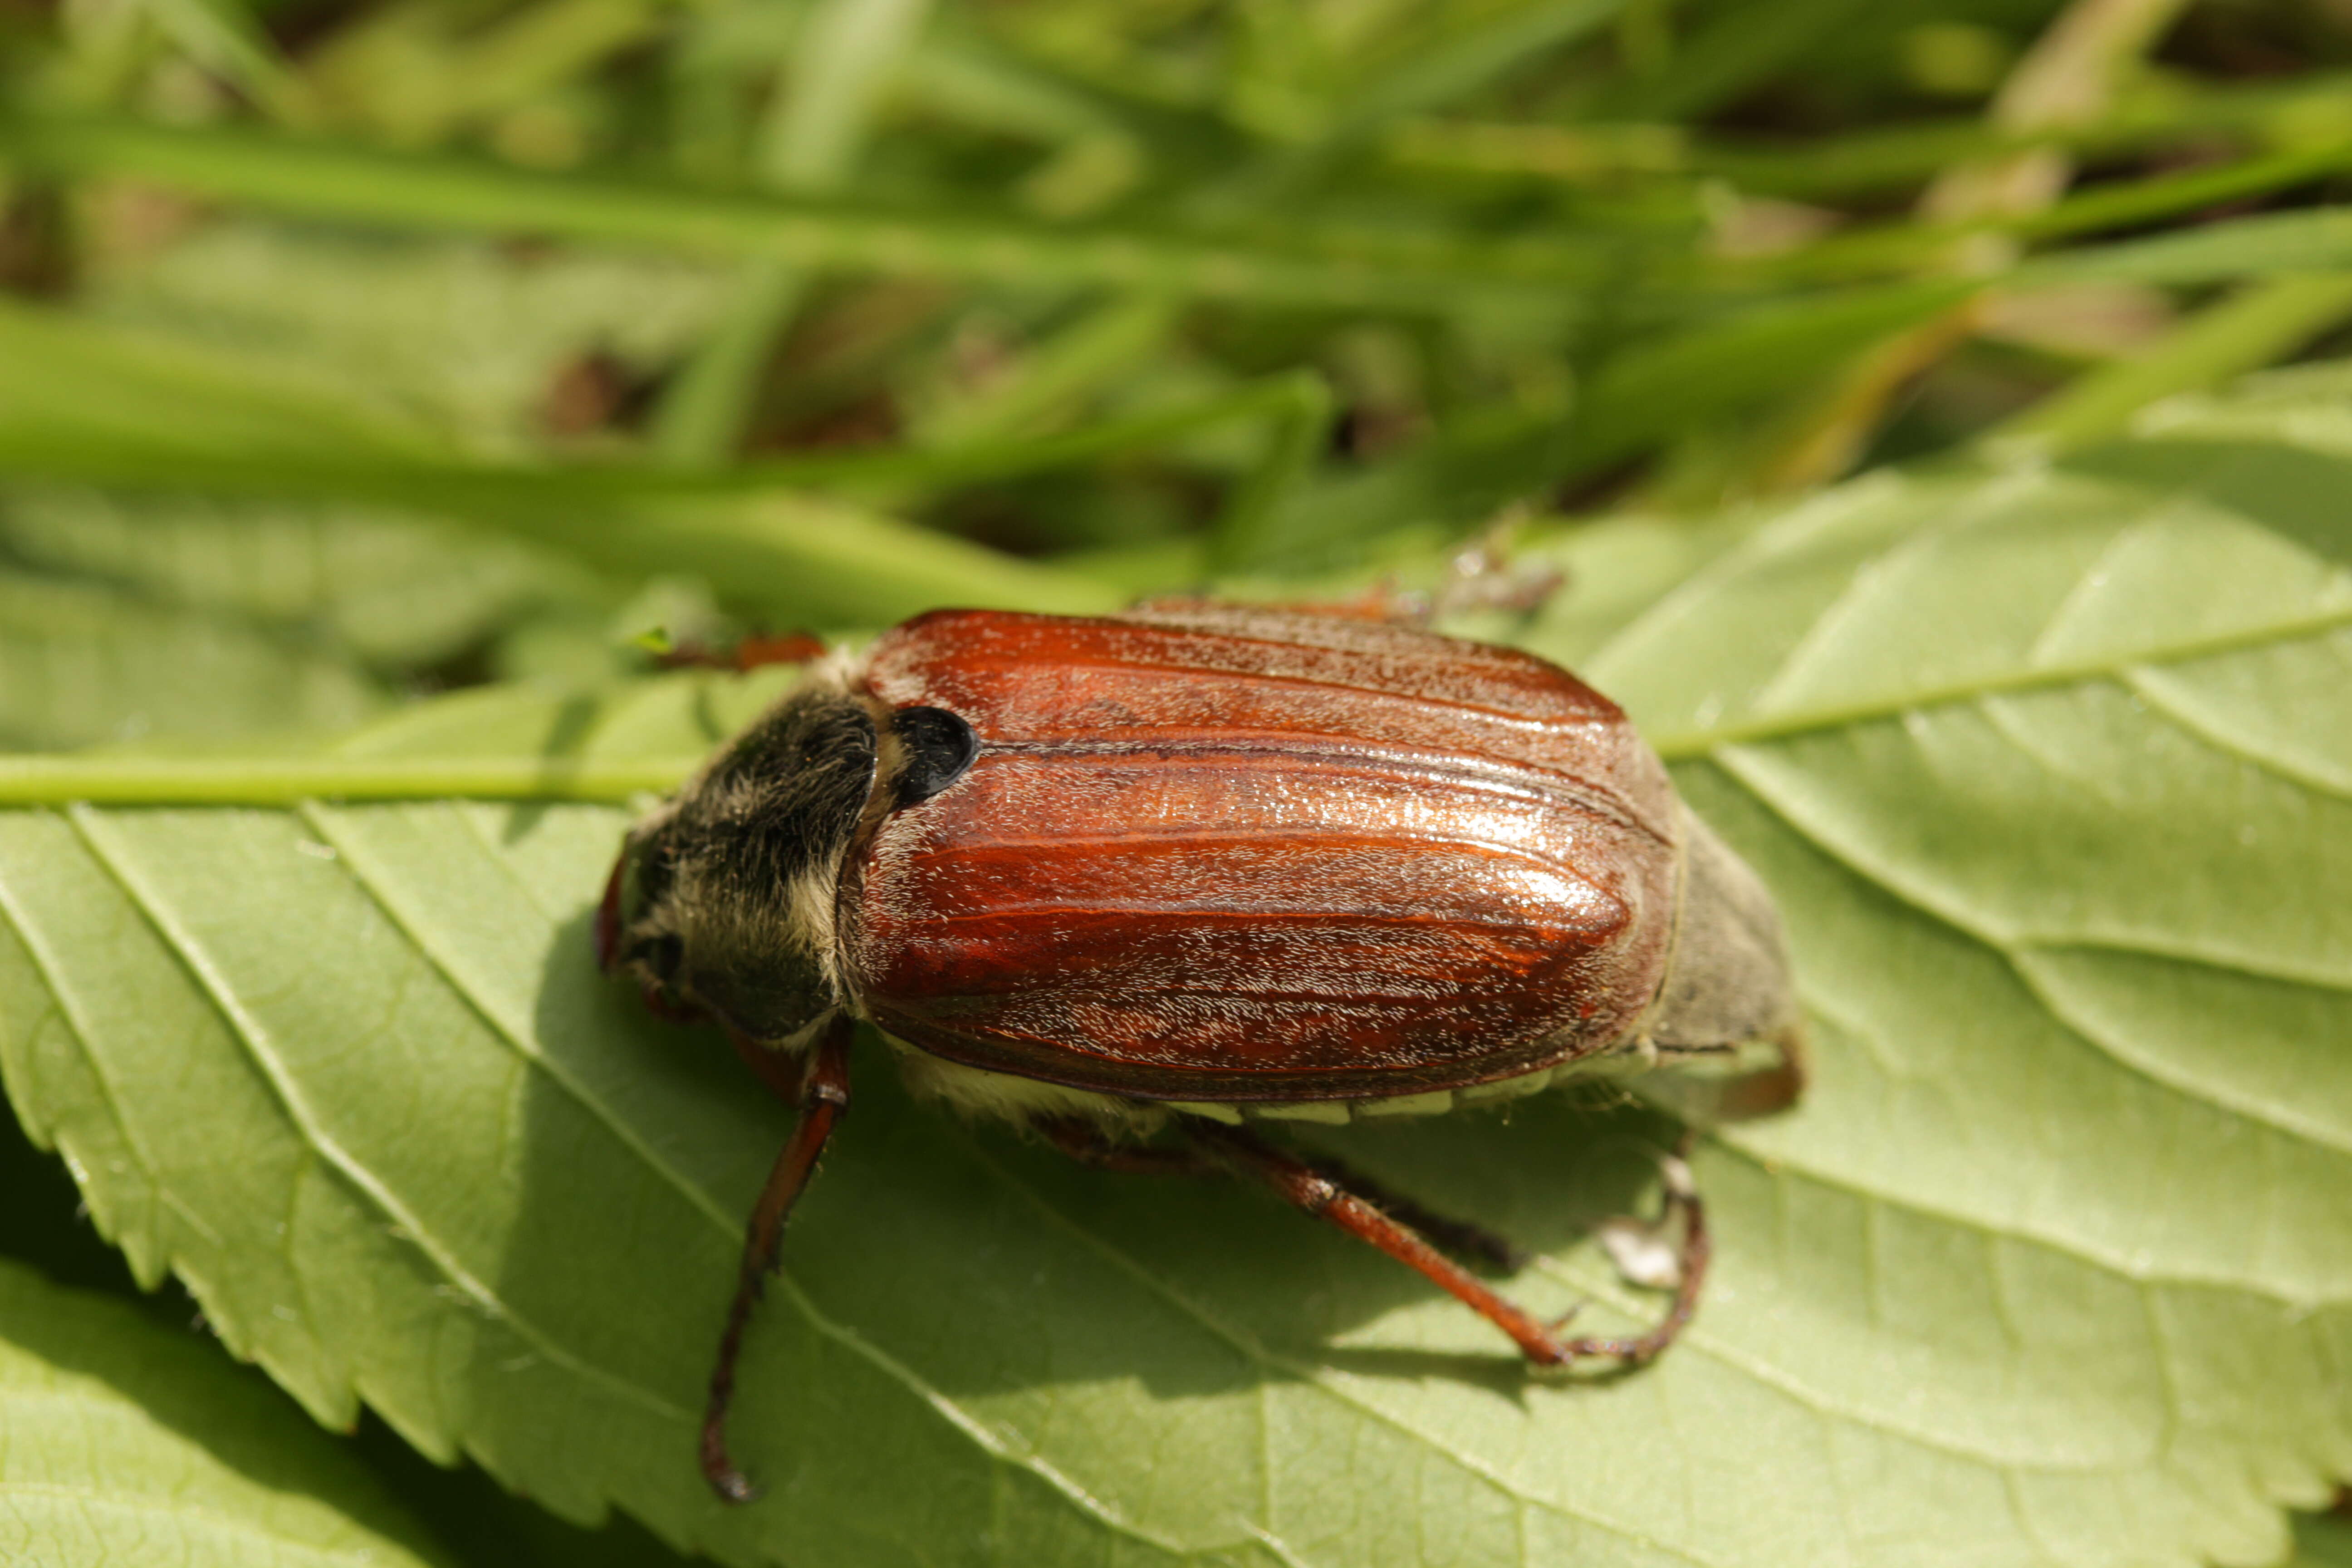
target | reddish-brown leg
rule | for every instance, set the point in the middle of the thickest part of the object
(1691, 1261)
(824, 1095)
(1458, 1236)
(785, 1076)
(1086, 1143)
(750, 653)
(1481, 576)
(1314, 1192)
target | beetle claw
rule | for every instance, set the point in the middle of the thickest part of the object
(733, 1486)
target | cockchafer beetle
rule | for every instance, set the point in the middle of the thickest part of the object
(1193, 867)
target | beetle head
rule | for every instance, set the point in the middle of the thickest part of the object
(722, 901)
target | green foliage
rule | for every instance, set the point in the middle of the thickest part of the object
(2047, 769)
(376, 375)
(129, 1443)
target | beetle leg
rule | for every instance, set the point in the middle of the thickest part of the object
(786, 1076)
(1691, 1262)
(1458, 1236)
(823, 1096)
(1483, 576)
(749, 653)
(1317, 1193)
(1085, 1144)
(1383, 602)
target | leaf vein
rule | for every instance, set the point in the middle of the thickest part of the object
(1309, 1376)
(1707, 743)
(365, 874)
(254, 1041)
(52, 980)
(2010, 949)
(2153, 686)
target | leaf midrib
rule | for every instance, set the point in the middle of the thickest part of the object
(132, 779)
(1692, 744)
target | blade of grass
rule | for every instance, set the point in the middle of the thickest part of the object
(2070, 76)
(1105, 341)
(2165, 196)
(1317, 266)
(956, 75)
(1634, 403)
(1896, 248)
(65, 386)
(2267, 245)
(794, 559)
(1673, 384)
(85, 403)
(223, 37)
(1741, 47)
(2258, 325)
(1298, 432)
(844, 56)
(1873, 158)
(537, 51)
(1422, 69)
(706, 406)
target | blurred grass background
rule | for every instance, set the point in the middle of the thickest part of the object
(351, 350)
(354, 351)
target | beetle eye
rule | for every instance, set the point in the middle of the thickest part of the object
(939, 747)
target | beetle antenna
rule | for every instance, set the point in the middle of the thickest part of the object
(823, 1096)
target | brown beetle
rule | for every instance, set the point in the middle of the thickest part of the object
(1193, 867)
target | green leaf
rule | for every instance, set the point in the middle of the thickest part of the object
(129, 1443)
(467, 336)
(394, 590)
(2051, 771)
(81, 664)
(2323, 1541)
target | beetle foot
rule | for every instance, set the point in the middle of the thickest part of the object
(732, 1484)
(1642, 1255)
